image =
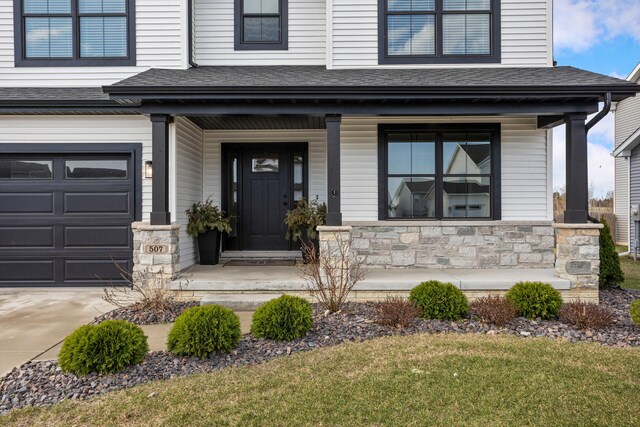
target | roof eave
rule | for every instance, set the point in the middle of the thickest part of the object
(624, 149)
(618, 92)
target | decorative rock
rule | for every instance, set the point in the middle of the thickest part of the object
(42, 383)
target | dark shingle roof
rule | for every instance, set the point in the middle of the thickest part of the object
(81, 94)
(71, 100)
(318, 76)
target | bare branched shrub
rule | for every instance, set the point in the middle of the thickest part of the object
(143, 291)
(585, 315)
(396, 312)
(331, 274)
(494, 309)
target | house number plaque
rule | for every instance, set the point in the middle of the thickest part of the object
(156, 249)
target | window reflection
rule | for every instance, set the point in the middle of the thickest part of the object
(26, 169)
(467, 197)
(411, 197)
(96, 169)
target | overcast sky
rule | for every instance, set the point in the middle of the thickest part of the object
(601, 36)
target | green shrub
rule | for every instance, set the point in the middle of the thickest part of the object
(283, 319)
(199, 331)
(106, 348)
(535, 299)
(610, 272)
(437, 300)
(634, 311)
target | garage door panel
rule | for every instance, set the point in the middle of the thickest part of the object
(117, 236)
(27, 237)
(27, 271)
(98, 271)
(65, 225)
(97, 203)
(26, 203)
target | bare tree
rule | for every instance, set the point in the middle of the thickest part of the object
(331, 274)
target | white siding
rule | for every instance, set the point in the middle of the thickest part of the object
(160, 42)
(188, 183)
(621, 198)
(525, 194)
(86, 130)
(526, 34)
(627, 121)
(214, 40)
(317, 156)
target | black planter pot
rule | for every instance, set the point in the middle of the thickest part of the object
(209, 247)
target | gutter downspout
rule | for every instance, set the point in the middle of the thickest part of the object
(190, 29)
(594, 121)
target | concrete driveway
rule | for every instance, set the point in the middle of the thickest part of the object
(33, 321)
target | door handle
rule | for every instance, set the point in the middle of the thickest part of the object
(285, 204)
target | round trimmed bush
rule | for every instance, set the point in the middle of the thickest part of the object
(199, 331)
(535, 299)
(437, 300)
(106, 348)
(283, 319)
(634, 311)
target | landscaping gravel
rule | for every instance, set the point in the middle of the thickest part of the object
(43, 383)
(147, 317)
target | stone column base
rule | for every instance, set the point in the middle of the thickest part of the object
(156, 250)
(578, 254)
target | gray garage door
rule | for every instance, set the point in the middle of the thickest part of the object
(65, 219)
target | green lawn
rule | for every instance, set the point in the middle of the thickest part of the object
(439, 380)
(621, 248)
(631, 271)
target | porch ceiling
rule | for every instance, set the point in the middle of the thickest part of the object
(259, 122)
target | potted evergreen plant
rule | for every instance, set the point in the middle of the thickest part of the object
(207, 223)
(302, 222)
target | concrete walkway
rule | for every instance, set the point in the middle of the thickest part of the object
(35, 321)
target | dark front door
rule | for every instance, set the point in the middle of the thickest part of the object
(266, 197)
(262, 183)
(65, 218)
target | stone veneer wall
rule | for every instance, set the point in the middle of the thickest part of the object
(498, 244)
(578, 254)
(156, 249)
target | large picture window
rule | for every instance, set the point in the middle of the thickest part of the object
(431, 172)
(261, 24)
(74, 32)
(439, 31)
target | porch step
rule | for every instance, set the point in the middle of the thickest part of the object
(266, 255)
(238, 302)
(278, 280)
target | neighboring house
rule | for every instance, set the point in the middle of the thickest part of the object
(627, 164)
(424, 125)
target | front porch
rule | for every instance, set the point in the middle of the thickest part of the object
(470, 203)
(247, 287)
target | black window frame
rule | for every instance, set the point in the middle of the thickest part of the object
(440, 58)
(76, 60)
(495, 196)
(239, 15)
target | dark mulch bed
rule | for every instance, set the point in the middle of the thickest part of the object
(42, 383)
(147, 317)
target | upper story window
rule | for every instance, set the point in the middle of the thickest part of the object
(439, 31)
(74, 32)
(261, 24)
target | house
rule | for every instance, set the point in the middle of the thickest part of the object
(424, 125)
(627, 186)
